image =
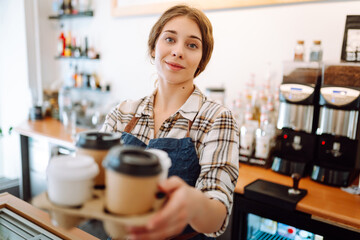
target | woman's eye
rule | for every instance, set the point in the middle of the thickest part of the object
(169, 39)
(193, 45)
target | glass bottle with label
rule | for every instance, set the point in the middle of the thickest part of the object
(247, 138)
(263, 135)
(316, 52)
(299, 51)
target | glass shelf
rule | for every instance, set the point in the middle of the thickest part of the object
(78, 15)
(78, 58)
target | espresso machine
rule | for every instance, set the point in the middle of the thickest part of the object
(337, 158)
(297, 118)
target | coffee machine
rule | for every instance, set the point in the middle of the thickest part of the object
(297, 119)
(337, 158)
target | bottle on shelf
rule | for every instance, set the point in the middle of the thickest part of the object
(61, 6)
(68, 7)
(247, 138)
(61, 45)
(299, 51)
(249, 88)
(76, 48)
(74, 6)
(316, 52)
(67, 52)
(264, 135)
(86, 47)
(83, 5)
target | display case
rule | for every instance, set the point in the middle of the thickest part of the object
(258, 220)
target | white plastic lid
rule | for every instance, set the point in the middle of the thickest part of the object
(163, 156)
(72, 168)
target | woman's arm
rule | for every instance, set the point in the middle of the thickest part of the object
(186, 205)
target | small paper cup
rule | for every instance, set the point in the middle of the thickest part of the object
(70, 179)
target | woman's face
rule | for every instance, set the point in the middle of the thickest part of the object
(178, 51)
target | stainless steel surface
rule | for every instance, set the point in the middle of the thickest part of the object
(296, 92)
(338, 122)
(296, 117)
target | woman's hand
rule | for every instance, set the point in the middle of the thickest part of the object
(174, 216)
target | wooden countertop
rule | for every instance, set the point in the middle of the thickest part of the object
(50, 129)
(323, 202)
(40, 218)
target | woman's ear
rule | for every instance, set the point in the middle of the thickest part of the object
(153, 53)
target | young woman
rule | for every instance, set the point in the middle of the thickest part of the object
(200, 136)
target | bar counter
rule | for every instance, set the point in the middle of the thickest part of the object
(324, 203)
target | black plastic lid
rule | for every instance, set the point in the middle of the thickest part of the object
(97, 140)
(133, 161)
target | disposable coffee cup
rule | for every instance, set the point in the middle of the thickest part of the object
(132, 175)
(70, 179)
(96, 144)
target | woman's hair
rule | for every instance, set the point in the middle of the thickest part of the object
(197, 16)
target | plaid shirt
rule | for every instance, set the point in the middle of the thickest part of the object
(214, 133)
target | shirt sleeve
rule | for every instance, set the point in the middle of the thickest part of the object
(219, 160)
(110, 122)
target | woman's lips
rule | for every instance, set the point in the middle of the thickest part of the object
(174, 66)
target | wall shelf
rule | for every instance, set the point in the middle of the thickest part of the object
(78, 15)
(78, 58)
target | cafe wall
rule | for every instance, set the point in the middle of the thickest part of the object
(247, 40)
(14, 87)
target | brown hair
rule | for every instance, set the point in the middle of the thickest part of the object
(197, 16)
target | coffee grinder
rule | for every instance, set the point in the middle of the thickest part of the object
(298, 115)
(337, 159)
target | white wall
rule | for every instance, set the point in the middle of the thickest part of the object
(246, 39)
(14, 90)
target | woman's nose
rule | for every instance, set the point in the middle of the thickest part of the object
(177, 51)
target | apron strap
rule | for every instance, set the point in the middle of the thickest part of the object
(185, 236)
(190, 125)
(130, 126)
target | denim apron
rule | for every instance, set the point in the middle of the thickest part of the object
(184, 162)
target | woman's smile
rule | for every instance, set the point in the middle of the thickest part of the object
(174, 66)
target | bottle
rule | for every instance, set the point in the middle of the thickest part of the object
(68, 7)
(299, 51)
(76, 77)
(74, 6)
(61, 45)
(61, 9)
(263, 136)
(86, 47)
(67, 52)
(316, 52)
(249, 88)
(247, 138)
(65, 102)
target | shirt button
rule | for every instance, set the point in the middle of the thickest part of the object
(166, 125)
